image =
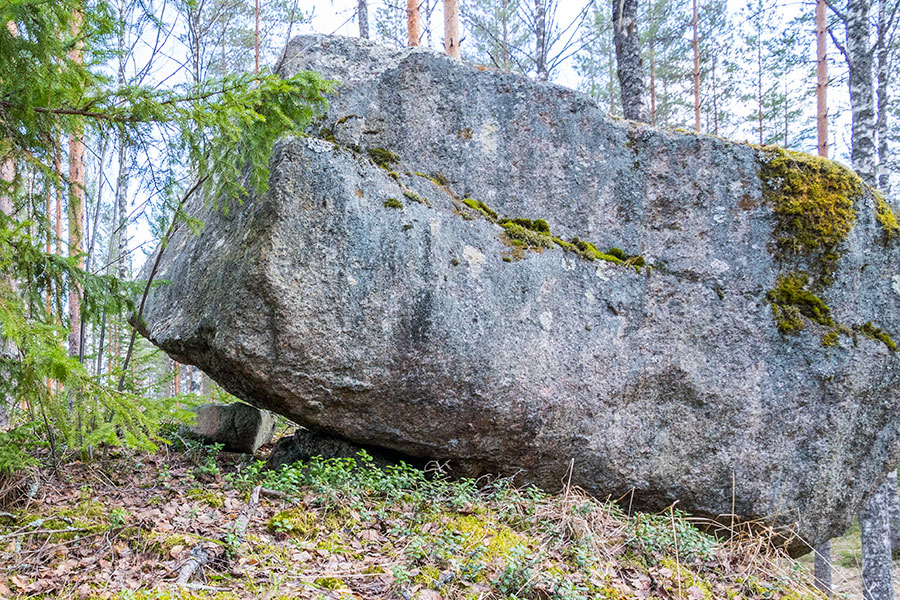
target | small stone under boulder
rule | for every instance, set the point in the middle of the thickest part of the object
(238, 427)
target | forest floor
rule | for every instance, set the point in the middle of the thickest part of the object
(186, 524)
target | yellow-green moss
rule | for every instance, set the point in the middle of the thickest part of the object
(481, 208)
(329, 583)
(393, 203)
(211, 498)
(812, 197)
(530, 238)
(871, 331)
(830, 339)
(294, 522)
(687, 577)
(411, 195)
(886, 216)
(498, 540)
(383, 157)
(791, 300)
(427, 576)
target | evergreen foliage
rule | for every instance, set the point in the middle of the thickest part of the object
(211, 138)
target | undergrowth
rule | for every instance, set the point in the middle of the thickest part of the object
(346, 528)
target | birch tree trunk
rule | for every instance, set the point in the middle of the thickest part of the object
(628, 59)
(412, 22)
(362, 14)
(255, 37)
(7, 347)
(862, 97)
(451, 28)
(650, 42)
(696, 45)
(540, 40)
(821, 79)
(876, 544)
(76, 209)
(883, 80)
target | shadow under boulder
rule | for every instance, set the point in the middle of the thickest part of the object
(306, 444)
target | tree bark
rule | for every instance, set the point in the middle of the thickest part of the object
(652, 53)
(822, 568)
(57, 166)
(883, 80)
(255, 37)
(696, 45)
(76, 208)
(628, 59)
(451, 28)
(412, 22)
(862, 97)
(894, 513)
(7, 347)
(176, 378)
(821, 79)
(362, 14)
(874, 524)
(540, 40)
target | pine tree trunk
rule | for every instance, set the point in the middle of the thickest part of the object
(176, 378)
(821, 78)
(412, 22)
(696, 45)
(451, 28)
(628, 59)
(57, 166)
(874, 524)
(362, 14)
(540, 40)
(822, 568)
(862, 96)
(76, 209)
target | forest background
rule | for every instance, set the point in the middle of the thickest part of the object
(116, 112)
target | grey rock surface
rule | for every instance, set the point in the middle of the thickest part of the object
(238, 427)
(421, 329)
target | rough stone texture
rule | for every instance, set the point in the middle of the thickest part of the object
(406, 328)
(239, 427)
(305, 444)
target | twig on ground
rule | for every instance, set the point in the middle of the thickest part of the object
(199, 557)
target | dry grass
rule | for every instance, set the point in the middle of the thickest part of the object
(124, 528)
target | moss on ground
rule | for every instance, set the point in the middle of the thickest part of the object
(393, 203)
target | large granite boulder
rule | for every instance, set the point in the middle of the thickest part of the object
(723, 342)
